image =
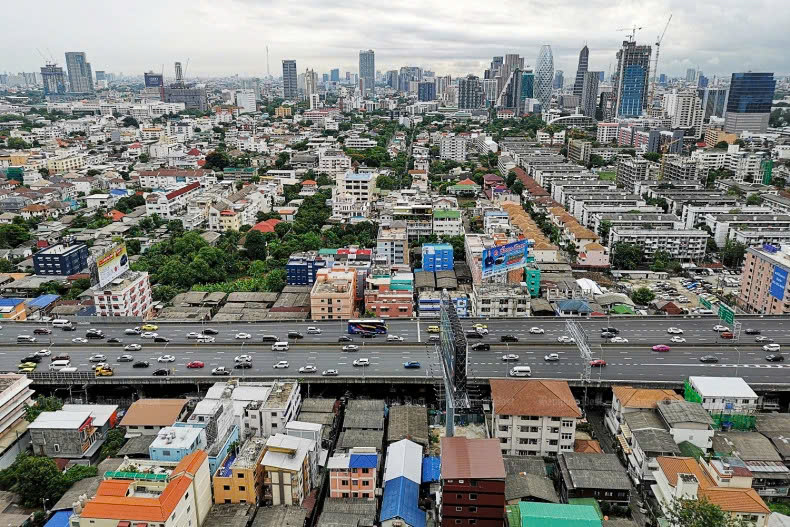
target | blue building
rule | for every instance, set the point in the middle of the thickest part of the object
(302, 268)
(437, 257)
(527, 85)
(633, 85)
(749, 102)
(174, 443)
(61, 260)
(426, 91)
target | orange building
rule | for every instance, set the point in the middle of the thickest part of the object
(333, 294)
(239, 479)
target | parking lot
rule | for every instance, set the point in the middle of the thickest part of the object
(688, 292)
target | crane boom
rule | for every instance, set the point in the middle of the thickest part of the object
(655, 64)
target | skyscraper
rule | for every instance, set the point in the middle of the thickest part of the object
(493, 69)
(426, 91)
(629, 82)
(367, 68)
(749, 103)
(581, 69)
(470, 93)
(54, 80)
(589, 97)
(527, 85)
(80, 74)
(310, 83)
(179, 74)
(691, 74)
(510, 96)
(714, 101)
(544, 75)
(334, 75)
(290, 90)
(559, 79)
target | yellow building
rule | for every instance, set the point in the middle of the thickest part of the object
(65, 164)
(239, 479)
(229, 220)
(282, 111)
(13, 309)
(717, 135)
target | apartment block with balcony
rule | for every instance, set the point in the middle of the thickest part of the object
(15, 395)
(289, 463)
(500, 300)
(129, 295)
(240, 477)
(392, 243)
(388, 294)
(764, 284)
(684, 245)
(333, 294)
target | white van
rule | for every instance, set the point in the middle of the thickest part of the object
(70, 369)
(521, 371)
(58, 365)
(60, 322)
(280, 346)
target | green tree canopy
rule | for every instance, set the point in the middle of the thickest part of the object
(701, 513)
(627, 256)
(642, 296)
(42, 404)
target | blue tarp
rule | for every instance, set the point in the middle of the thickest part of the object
(431, 469)
(363, 461)
(400, 500)
(60, 519)
(573, 305)
(42, 301)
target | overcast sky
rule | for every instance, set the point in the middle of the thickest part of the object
(449, 37)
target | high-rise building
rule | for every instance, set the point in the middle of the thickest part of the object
(324, 77)
(493, 69)
(749, 103)
(581, 69)
(489, 88)
(589, 97)
(527, 85)
(510, 96)
(470, 93)
(179, 74)
(662, 78)
(367, 68)
(559, 79)
(290, 90)
(80, 74)
(310, 83)
(685, 110)
(702, 81)
(442, 83)
(544, 75)
(513, 61)
(629, 82)
(391, 79)
(714, 101)
(426, 91)
(691, 74)
(100, 76)
(245, 100)
(334, 75)
(54, 80)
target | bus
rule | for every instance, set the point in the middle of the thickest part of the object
(366, 325)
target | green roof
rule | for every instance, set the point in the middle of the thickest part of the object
(592, 502)
(443, 214)
(324, 252)
(513, 516)
(689, 449)
(557, 515)
(622, 309)
(231, 170)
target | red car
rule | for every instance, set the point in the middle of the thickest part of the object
(195, 364)
(598, 362)
(727, 335)
(661, 347)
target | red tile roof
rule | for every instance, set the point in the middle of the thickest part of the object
(467, 181)
(464, 458)
(309, 182)
(266, 225)
(533, 397)
(182, 190)
(115, 215)
(194, 152)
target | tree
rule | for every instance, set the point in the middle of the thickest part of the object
(627, 255)
(42, 404)
(12, 236)
(722, 145)
(754, 199)
(17, 143)
(6, 266)
(603, 230)
(216, 160)
(596, 161)
(164, 293)
(642, 296)
(517, 188)
(511, 178)
(661, 260)
(130, 121)
(175, 227)
(652, 156)
(113, 442)
(732, 253)
(144, 158)
(256, 244)
(37, 479)
(700, 513)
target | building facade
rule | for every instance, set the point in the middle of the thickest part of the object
(61, 260)
(749, 103)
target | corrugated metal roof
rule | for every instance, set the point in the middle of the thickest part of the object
(404, 459)
(559, 515)
(400, 500)
(60, 519)
(363, 461)
(42, 301)
(431, 469)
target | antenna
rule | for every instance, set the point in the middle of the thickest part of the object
(655, 65)
(267, 62)
(186, 68)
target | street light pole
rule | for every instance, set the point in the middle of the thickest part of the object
(739, 361)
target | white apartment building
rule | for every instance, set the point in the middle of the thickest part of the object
(173, 178)
(15, 395)
(710, 159)
(453, 148)
(333, 162)
(693, 214)
(500, 300)
(685, 110)
(607, 132)
(172, 204)
(129, 295)
(360, 143)
(744, 164)
(245, 100)
(345, 206)
(682, 244)
(534, 417)
(359, 185)
(725, 394)
(447, 222)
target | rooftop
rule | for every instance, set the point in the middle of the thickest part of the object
(408, 422)
(677, 412)
(652, 440)
(177, 437)
(530, 486)
(471, 458)
(749, 446)
(593, 471)
(60, 419)
(533, 397)
(558, 515)
(733, 387)
(156, 412)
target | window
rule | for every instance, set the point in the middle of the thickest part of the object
(242, 488)
(166, 453)
(365, 483)
(458, 522)
(226, 487)
(472, 496)
(459, 509)
(56, 447)
(567, 424)
(472, 509)
(240, 475)
(566, 436)
(365, 470)
(344, 482)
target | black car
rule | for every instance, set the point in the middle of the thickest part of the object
(508, 338)
(345, 338)
(62, 356)
(32, 358)
(161, 339)
(94, 335)
(295, 335)
(709, 358)
(42, 331)
(141, 364)
(610, 330)
(367, 335)
(70, 327)
(434, 338)
(473, 335)
(481, 346)
(752, 331)
(210, 331)
(114, 340)
(244, 365)
(770, 358)
(607, 335)
(161, 372)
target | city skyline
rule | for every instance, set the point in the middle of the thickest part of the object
(447, 44)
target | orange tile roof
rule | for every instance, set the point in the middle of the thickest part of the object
(533, 397)
(594, 246)
(731, 499)
(191, 463)
(672, 466)
(153, 412)
(587, 446)
(113, 487)
(643, 397)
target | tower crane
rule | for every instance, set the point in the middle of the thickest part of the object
(664, 149)
(633, 31)
(655, 65)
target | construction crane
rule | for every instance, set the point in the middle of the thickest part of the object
(664, 149)
(655, 64)
(633, 31)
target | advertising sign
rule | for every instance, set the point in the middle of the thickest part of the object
(504, 258)
(779, 283)
(112, 264)
(153, 80)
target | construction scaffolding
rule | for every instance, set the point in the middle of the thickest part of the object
(452, 352)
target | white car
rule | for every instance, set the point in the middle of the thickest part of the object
(166, 358)
(132, 347)
(771, 347)
(720, 328)
(97, 357)
(308, 369)
(205, 339)
(510, 356)
(674, 331)
(43, 353)
(350, 347)
(193, 335)
(149, 335)
(482, 330)
(130, 331)
(79, 340)
(565, 339)
(677, 340)
(537, 331)
(618, 340)
(242, 336)
(329, 373)
(362, 362)
(281, 364)
(312, 330)
(551, 357)
(394, 338)
(243, 358)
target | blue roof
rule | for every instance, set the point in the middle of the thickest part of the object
(119, 192)
(42, 301)
(358, 177)
(400, 499)
(225, 471)
(439, 246)
(60, 518)
(363, 461)
(10, 302)
(431, 469)
(574, 305)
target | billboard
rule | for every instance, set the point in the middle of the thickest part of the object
(778, 283)
(504, 258)
(112, 264)
(154, 80)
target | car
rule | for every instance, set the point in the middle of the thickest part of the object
(412, 364)
(674, 331)
(161, 372)
(25, 339)
(125, 358)
(350, 347)
(196, 364)
(105, 372)
(210, 331)
(149, 327)
(607, 335)
(480, 326)
(481, 346)
(727, 335)
(600, 363)
(243, 358)
(344, 338)
(100, 365)
(537, 331)
(508, 338)
(394, 338)
(565, 339)
(361, 362)
(166, 358)
(433, 329)
(610, 330)
(43, 353)
(27, 367)
(94, 334)
(193, 335)
(242, 336)
(42, 331)
(79, 340)
(773, 357)
(281, 365)
(367, 335)
(205, 339)
(61, 356)
(132, 347)
(243, 365)
(720, 328)
(270, 338)
(618, 340)
(661, 347)
(161, 339)
(69, 327)
(141, 364)
(132, 331)
(295, 335)
(763, 339)
(114, 340)
(97, 357)
(309, 368)
(329, 373)
(771, 347)
(510, 356)
(551, 357)
(220, 370)
(677, 340)
(434, 339)
(32, 358)
(751, 331)
(709, 358)
(149, 335)
(312, 330)
(473, 334)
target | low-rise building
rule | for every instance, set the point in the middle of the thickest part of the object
(129, 295)
(598, 476)
(175, 443)
(626, 399)
(728, 400)
(148, 416)
(684, 245)
(333, 294)
(353, 474)
(500, 300)
(64, 434)
(240, 477)
(453, 148)
(437, 257)
(289, 463)
(687, 421)
(61, 260)
(392, 243)
(402, 479)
